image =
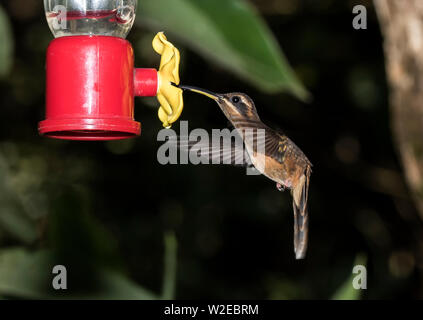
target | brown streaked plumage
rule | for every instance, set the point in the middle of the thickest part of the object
(282, 161)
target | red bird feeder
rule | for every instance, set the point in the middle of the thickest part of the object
(91, 79)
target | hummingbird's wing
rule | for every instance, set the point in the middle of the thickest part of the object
(224, 150)
(278, 146)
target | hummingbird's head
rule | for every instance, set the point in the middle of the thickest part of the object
(234, 105)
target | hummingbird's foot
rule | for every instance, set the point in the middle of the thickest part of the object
(280, 187)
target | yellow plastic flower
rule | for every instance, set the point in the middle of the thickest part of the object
(170, 97)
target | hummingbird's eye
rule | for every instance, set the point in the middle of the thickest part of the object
(235, 99)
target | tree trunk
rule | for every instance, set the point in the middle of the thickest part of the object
(402, 25)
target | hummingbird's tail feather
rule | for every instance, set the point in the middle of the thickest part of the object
(300, 198)
(300, 233)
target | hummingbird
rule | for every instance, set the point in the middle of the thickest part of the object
(280, 160)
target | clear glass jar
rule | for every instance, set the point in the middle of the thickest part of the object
(90, 17)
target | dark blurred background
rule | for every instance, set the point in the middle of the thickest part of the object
(112, 206)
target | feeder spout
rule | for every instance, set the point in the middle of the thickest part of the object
(146, 82)
(169, 96)
(150, 82)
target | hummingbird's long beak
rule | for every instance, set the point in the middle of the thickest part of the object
(204, 92)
